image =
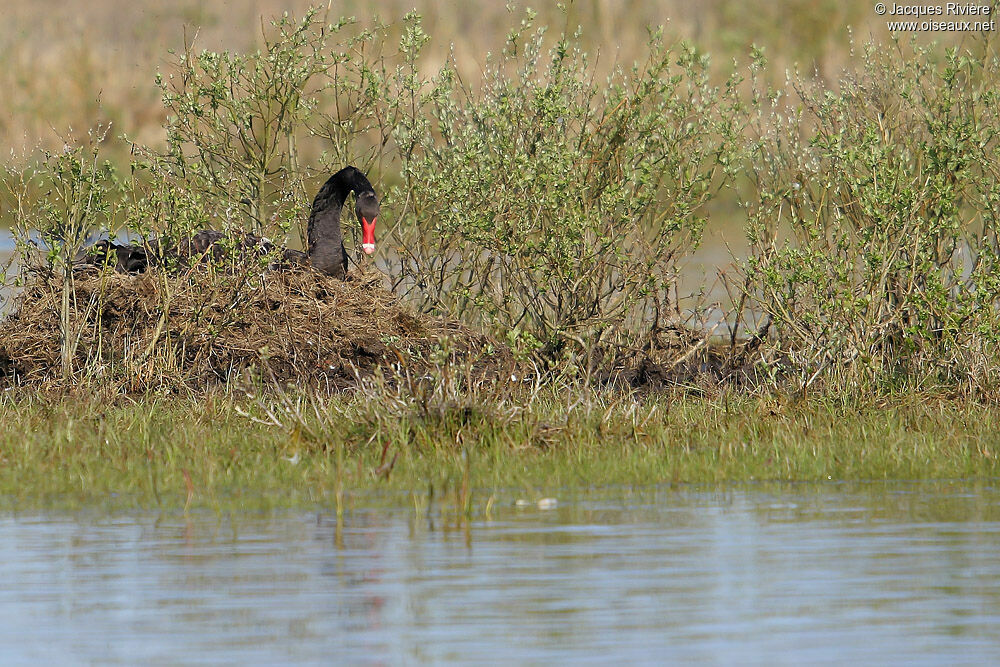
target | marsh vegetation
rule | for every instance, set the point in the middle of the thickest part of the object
(535, 215)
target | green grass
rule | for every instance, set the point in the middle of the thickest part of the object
(187, 452)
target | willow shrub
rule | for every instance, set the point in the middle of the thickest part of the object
(232, 125)
(553, 205)
(873, 226)
(57, 201)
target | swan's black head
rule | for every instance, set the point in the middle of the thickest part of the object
(367, 210)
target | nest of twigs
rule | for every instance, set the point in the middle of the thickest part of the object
(201, 327)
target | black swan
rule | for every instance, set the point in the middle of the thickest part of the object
(326, 252)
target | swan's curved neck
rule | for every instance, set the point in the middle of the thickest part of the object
(326, 240)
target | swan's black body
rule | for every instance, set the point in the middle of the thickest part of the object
(326, 251)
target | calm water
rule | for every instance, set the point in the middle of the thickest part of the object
(878, 573)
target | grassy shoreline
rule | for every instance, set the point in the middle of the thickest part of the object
(188, 452)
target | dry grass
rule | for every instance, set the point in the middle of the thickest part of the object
(203, 327)
(208, 327)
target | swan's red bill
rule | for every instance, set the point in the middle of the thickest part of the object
(368, 235)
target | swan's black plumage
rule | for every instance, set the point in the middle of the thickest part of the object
(326, 251)
(326, 240)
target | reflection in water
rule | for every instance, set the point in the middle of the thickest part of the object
(749, 574)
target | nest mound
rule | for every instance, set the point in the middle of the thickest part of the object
(203, 328)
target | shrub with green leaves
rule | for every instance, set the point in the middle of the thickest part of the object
(59, 200)
(236, 122)
(874, 219)
(233, 120)
(554, 205)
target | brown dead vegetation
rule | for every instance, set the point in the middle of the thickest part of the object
(201, 328)
(204, 327)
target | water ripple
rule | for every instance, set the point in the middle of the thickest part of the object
(802, 574)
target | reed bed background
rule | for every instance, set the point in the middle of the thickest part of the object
(66, 66)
